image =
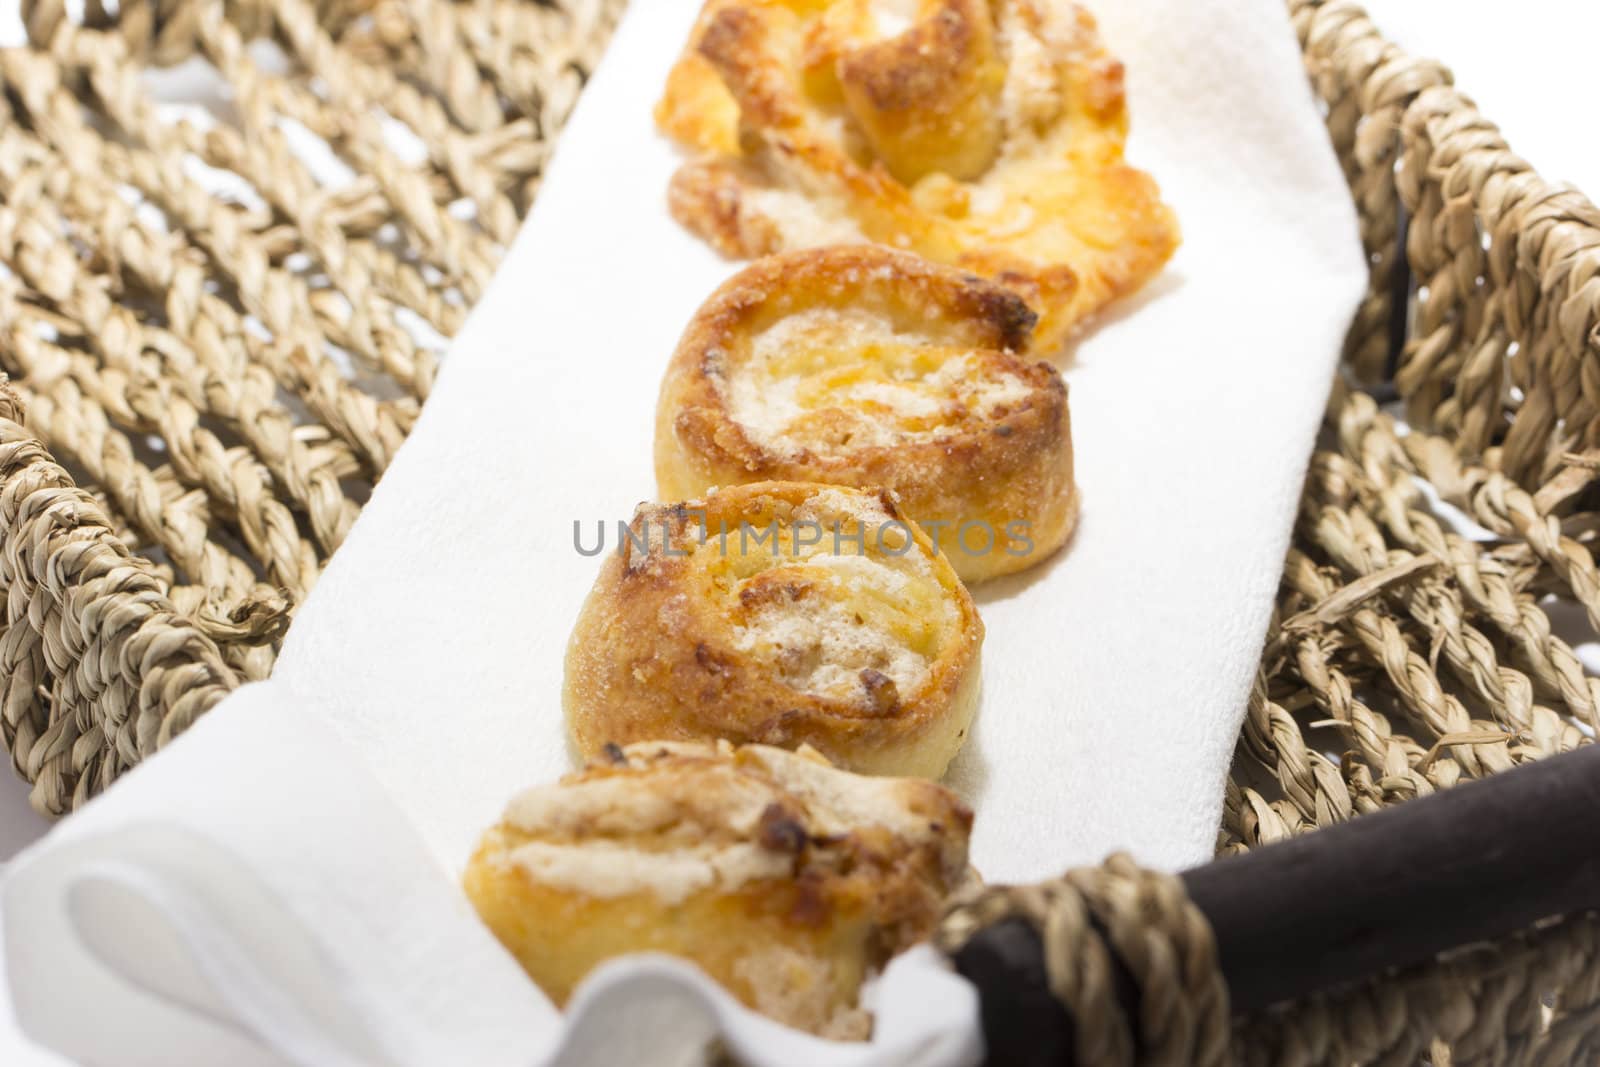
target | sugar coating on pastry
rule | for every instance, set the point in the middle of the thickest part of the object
(779, 613)
(858, 365)
(987, 134)
(785, 879)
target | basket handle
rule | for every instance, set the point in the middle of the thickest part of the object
(1114, 959)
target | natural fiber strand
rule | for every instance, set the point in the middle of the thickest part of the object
(1096, 918)
(235, 373)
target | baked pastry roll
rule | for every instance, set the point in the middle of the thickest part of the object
(780, 613)
(858, 365)
(784, 879)
(983, 133)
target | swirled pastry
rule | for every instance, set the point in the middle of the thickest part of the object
(983, 133)
(780, 613)
(784, 879)
(858, 365)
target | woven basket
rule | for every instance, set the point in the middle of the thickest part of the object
(211, 387)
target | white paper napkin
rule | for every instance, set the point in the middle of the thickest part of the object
(1114, 679)
(254, 898)
(430, 653)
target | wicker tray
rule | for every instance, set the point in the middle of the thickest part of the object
(206, 388)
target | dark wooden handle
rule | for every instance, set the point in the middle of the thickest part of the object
(1398, 887)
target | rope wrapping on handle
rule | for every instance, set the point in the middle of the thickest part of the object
(1127, 955)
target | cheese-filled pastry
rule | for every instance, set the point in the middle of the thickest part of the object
(858, 365)
(781, 613)
(983, 133)
(784, 879)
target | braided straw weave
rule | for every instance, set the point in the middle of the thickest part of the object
(227, 376)
(1440, 574)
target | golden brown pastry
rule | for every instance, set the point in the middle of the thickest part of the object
(987, 134)
(858, 365)
(784, 879)
(782, 613)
